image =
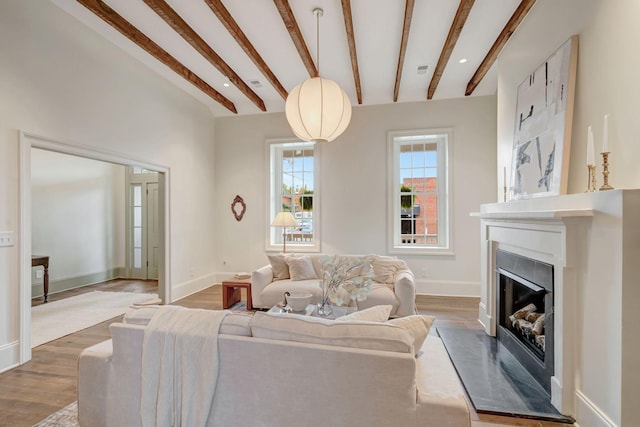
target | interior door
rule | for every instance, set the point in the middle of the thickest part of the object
(144, 248)
(153, 231)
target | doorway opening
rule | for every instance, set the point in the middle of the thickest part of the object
(159, 259)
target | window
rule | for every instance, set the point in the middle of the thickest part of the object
(419, 193)
(292, 188)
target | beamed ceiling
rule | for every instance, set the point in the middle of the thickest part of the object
(244, 56)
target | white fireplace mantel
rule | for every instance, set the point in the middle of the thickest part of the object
(593, 242)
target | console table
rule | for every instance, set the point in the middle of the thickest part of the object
(42, 260)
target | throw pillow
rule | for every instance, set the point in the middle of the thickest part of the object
(385, 269)
(300, 268)
(418, 325)
(279, 267)
(377, 313)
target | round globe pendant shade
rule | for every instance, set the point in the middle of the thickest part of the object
(318, 110)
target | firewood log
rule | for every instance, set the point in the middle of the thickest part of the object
(523, 326)
(513, 321)
(538, 326)
(520, 314)
(540, 341)
(532, 317)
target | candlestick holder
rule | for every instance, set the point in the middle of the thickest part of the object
(605, 171)
(591, 179)
(505, 193)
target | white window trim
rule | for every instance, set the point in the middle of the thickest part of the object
(393, 195)
(269, 232)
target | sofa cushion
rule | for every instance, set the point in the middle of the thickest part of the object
(279, 267)
(315, 330)
(377, 313)
(233, 323)
(418, 325)
(300, 267)
(380, 294)
(236, 324)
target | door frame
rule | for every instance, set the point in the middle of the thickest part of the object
(28, 141)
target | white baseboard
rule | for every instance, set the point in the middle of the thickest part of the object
(589, 415)
(485, 318)
(448, 288)
(9, 356)
(192, 286)
(37, 286)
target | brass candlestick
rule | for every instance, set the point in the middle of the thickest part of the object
(605, 171)
(591, 179)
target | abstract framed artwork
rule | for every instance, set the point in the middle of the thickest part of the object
(542, 136)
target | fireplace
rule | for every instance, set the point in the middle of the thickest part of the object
(525, 313)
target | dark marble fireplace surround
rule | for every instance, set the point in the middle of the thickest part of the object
(507, 374)
(523, 283)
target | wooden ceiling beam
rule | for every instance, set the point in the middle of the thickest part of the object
(236, 32)
(408, 14)
(180, 26)
(111, 17)
(296, 35)
(348, 25)
(515, 20)
(452, 38)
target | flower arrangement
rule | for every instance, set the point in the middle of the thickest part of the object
(352, 274)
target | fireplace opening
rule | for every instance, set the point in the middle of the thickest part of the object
(525, 312)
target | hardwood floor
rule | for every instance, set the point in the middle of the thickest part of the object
(47, 383)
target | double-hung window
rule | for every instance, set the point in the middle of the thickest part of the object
(293, 167)
(419, 192)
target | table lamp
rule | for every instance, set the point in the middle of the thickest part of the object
(284, 219)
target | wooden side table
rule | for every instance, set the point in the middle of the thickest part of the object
(231, 289)
(42, 260)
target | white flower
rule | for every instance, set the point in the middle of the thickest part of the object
(352, 274)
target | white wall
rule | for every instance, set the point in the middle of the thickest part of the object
(60, 80)
(78, 218)
(606, 81)
(354, 186)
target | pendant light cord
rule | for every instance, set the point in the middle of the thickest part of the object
(318, 12)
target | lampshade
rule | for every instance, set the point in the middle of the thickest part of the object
(284, 219)
(318, 110)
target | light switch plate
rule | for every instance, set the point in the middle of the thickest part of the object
(6, 238)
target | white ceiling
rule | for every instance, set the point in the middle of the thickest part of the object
(377, 28)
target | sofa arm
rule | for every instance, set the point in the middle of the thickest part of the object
(260, 279)
(93, 375)
(405, 290)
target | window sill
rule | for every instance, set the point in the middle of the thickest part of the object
(402, 250)
(293, 248)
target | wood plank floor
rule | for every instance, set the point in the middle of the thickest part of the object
(47, 383)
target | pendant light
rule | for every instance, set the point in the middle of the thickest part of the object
(318, 109)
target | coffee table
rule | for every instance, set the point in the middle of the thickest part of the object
(312, 310)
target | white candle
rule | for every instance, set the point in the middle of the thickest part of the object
(505, 177)
(605, 134)
(590, 148)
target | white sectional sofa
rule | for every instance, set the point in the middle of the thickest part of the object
(394, 283)
(288, 369)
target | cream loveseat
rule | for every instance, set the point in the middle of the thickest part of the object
(394, 283)
(288, 369)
